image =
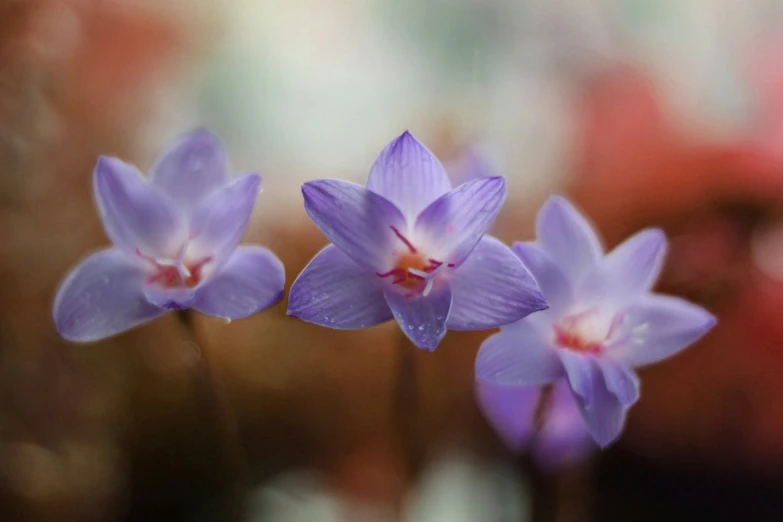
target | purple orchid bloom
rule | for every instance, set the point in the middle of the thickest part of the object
(409, 247)
(553, 433)
(603, 321)
(175, 245)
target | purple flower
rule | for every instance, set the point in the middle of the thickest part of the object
(409, 247)
(553, 432)
(471, 162)
(175, 245)
(603, 321)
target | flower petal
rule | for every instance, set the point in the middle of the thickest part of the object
(422, 319)
(510, 411)
(334, 291)
(605, 414)
(492, 288)
(169, 298)
(135, 214)
(566, 236)
(580, 373)
(102, 297)
(620, 380)
(191, 169)
(358, 221)
(252, 280)
(453, 224)
(629, 270)
(518, 355)
(660, 327)
(563, 438)
(220, 221)
(409, 175)
(553, 283)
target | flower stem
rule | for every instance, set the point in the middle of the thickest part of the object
(231, 455)
(406, 402)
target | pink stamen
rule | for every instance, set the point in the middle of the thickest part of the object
(156, 277)
(616, 323)
(201, 263)
(404, 240)
(170, 277)
(437, 263)
(146, 257)
(412, 270)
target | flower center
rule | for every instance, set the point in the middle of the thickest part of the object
(177, 272)
(587, 332)
(412, 270)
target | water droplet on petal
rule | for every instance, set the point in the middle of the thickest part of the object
(227, 320)
(410, 327)
(421, 327)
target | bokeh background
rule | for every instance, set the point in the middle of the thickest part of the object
(645, 112)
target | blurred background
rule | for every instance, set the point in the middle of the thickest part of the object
(645, 112)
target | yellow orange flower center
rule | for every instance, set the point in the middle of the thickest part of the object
(412, 270)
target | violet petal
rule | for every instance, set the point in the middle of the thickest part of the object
(492, 288)
(169, 298)
(409, 175)
(334, 291)
(605, 414)
(567, 237)
(659, 326)
(102, 297)
(251, 280)
(628, 271)
(563, 439)
(518, 356)
(510, 411)
(220, 221)
(620, 380)
(453, 224)
(135, 214)
(551, 279)
(358, 221)
(580, 373)
(191, 169)
(422, 319)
